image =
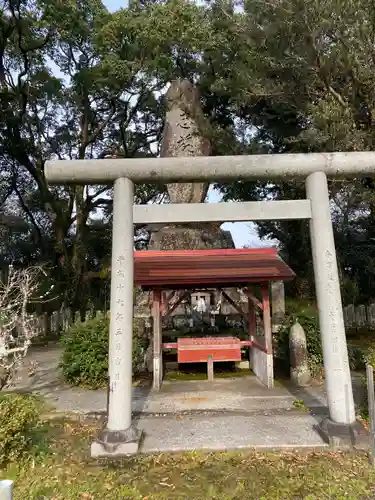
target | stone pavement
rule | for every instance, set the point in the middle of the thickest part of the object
(187, 415)
(228, 432)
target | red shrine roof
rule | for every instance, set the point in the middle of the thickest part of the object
(232, 267)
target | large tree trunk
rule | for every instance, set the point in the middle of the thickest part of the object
(185, 135)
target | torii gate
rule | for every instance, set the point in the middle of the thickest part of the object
(120, 437)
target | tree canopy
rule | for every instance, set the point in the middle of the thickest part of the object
(78, 81)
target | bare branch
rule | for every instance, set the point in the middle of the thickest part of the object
(17, 325)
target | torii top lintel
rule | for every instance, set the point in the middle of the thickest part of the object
(214, 168)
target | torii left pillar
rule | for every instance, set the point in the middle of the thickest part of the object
(120, 437)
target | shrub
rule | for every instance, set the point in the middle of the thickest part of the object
(356, 358)
(369, 357)
(19, 417)
(85, 357)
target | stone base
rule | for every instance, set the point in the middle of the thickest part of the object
(190, 237)
(116, 443)
(243, 365)
(300, 377)
(344, 435)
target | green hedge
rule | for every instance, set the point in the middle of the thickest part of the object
(19, 418)
(85, 355)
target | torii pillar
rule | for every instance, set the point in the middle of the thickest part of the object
(120, 437)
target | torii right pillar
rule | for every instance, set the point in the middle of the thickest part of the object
(341, 427)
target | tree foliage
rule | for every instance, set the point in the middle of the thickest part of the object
(306, 84)
(77, 81)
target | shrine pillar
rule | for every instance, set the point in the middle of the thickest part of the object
(261, 356)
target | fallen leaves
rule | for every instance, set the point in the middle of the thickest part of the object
(68, 473)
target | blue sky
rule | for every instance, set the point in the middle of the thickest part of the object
(243, 233)
(115, 4)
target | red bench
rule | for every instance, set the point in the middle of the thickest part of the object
(207, 350)
(197, 350)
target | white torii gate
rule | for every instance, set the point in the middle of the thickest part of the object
(120, 437)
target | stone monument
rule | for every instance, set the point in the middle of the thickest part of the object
(184, 134)
(299, 367)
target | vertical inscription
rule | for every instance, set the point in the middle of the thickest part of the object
(119, 318)
(331, 270)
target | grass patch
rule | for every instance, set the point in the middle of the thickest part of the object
(67, 472)
(174, 376)
(198, 371)
(300, 405)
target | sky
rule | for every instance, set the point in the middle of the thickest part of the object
(243, 233)
(115, 4)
